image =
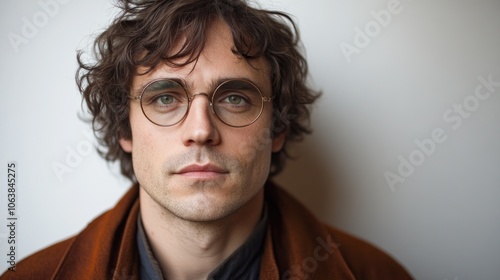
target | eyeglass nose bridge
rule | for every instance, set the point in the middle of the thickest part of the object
(210, 101)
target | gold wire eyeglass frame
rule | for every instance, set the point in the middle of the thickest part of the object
(265, 99)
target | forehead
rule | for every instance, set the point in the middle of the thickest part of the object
(217, 61)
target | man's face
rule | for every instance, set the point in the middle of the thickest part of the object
(201, 169)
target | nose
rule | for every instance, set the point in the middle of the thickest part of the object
(199, 127)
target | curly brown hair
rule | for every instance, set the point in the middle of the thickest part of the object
(144, 34)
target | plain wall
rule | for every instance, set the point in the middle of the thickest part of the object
(406, 97)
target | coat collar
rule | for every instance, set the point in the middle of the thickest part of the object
(296, 243)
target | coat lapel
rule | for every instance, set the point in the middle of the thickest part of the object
(107, 248)
(297, 245)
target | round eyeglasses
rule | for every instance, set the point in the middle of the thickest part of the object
(236, 103)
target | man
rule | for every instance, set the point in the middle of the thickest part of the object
(197, 100)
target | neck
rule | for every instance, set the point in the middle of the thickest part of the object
(178, 244)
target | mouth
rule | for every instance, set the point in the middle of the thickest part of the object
(207, 171)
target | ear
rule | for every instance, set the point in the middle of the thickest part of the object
(278, 142)
(126, 144)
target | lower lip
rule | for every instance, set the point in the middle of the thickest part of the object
(202, 175)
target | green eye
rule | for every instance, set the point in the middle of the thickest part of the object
(166, 99)
(235, 99)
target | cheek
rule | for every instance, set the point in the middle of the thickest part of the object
(148, 145)
(146, 136)
(253, 148)
(141, 157)
(151, 143)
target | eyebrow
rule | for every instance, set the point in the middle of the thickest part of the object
(162, 84)
(143, 87)
(239, 85)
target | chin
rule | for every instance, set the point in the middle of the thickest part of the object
(203, 209)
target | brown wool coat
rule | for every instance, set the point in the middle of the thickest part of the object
(297, 246)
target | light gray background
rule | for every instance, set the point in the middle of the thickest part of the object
(442, 222)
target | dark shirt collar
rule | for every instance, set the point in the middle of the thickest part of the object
(149, 267)
(244, 263)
